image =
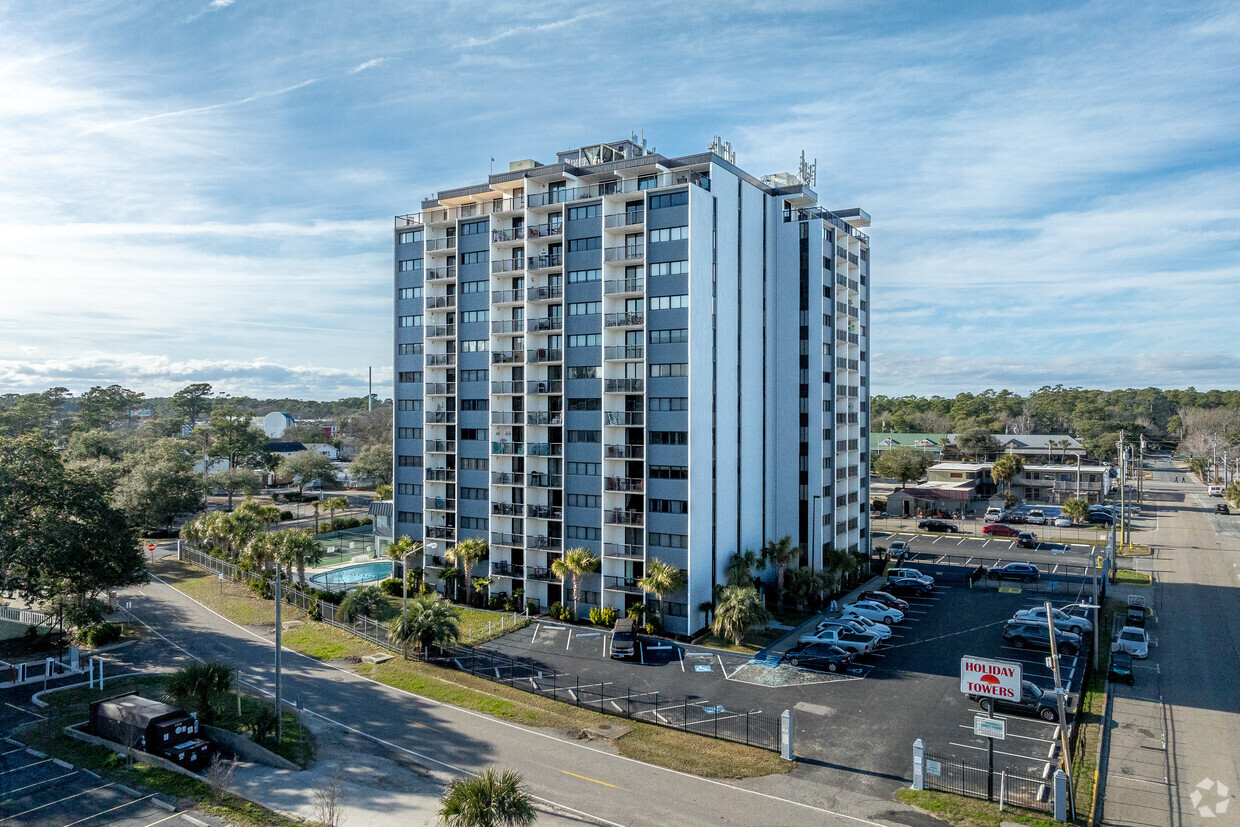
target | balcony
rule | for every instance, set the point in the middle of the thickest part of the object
(502, 568)
(540, 355)
(544, 386)
(506, 417)
(621, 584)
(650, 182)
(543, 418)
(440, 504)
(440, 331)
(630, 484)
(624, 319)
(624, 451)
(440, 474)
(440, 389)
(562, 194)
(545, 449)
(506, 509)
(540, 480)
(507, 388)
(628, 218)
(508, 265)
(434, 561)
(544, 542)
(441, 532)
(626, 252)
(439, 302)
(549, 230)
(507, 326)
(499, 538)
(505, 478)
(440, 446)
(434, 245)
(624, 385)
(440, 273)
(507, 236)
(619, 287)
(506, 205)
(547, 261)
(544, 294)
(544, 512)
(539, 573)
(620, 353)
(507, 357)
(544, 323)
(513, 449)
(624, 419)
(440, 417)
(618, 516)
(622, 550)
(440, 360)
(507, 296)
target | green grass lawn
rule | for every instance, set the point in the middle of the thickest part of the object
(970, 812)
(1128, 577)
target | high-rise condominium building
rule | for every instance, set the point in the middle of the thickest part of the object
(651, 358)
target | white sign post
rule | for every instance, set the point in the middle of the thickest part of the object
(1000, 681)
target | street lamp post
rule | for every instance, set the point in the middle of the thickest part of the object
(1060, 694)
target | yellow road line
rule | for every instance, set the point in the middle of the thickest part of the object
(27, 711)
(162, 820)
(583, 778)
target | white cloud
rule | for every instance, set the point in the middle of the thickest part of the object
(370, 64)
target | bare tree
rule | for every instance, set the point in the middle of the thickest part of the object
(329, 798)
(219, 776)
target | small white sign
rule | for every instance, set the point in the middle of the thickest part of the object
(990, 678)
(990, 727)
(933, 767)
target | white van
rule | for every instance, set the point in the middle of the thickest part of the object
(1214, 490)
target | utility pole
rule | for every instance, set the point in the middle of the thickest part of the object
(1141, 473)
(1059, 698)
(279, 718)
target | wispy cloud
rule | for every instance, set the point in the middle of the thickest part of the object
(370, 64)
(530, 29)
(193, 110)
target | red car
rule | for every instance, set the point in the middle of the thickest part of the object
(999, 530)
(885, 598)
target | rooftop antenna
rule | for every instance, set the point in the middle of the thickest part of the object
(808, 173)
(370, 383)
(492, 165)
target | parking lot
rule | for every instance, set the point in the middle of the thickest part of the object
(970, 550)
(863, 720)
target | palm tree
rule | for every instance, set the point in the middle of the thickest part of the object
(197, 685)
(397, 549)
(575, 563)
(661, 579)
(803, 584)
(363, 602)
(465, 554)
(1076, 508)
(298, 547)
(739, 609)
(492, 799)
(333, 504)
(1006, 469)
(780, 553)
(740, 568)
(429, 621)
(838, 563)
(260, 551)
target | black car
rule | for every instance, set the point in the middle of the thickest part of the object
(1121, 668)
(1027, 539)
(1032, 634)
(907, 586)
(1103, 517)
(1222, 508)
(1024, 572)
(1032, 701)
(938, 526)
(818, 656)
(884, 598)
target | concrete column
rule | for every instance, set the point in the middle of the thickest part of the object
(919, 764)
(1061, 795)
(785, 735)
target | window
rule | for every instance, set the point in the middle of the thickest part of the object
(585, 340)
(669, 472)
(473, 287)
(409, 376)
(409, 293)
(409, 517)
(669, 403)
(584, 501)
(408, 461)
(468, 316)
(473, 433)
(474, 228)
(407, 237)
(409, 489)
(670, 234)
(583, 372)
(473, 346)
(669, 268)
(581, 276)
(467, 493)
(664, 337)
(669, 437)
(585, 211)
(585, 308)
(473, 376)
(409, 404)
(473, 404)
(589, 403)
(647, 182)
(580, 245)
(410, 349)
(669, 506)
(655, 538)
(669, 302)
(583, 469)
(410, 265)
(585, 436)
(409, 321)
(479, 523)
(666, 369)
(408, 433)
(577, 532)
(669, 199)
(473, 463)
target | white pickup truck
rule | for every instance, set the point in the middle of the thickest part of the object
(849, 641)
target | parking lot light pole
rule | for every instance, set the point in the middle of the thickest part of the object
(1059, 696)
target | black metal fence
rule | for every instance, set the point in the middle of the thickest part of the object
(953, 775)
(651, 707)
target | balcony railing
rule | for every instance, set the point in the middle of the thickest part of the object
(618, 516)
(624, 319)
(549, 230)
(539, 480)
(441, 331)
(543, 323)
(508, 448)
(440, 474)
(543, 541)
(627, 252)
(440, 504)
(544, 386)
(440, 273)
(546, 293)
(623, 352)
(502, 326)
(440, 389)
(545, 262)
(543, 418)
(544, 512)
(440, 446)
(539, 573)
(506, 509)
(507, 417)
(504, 236)
(507, 296)
(507, 265)
(506, 478)
(623, 550)
(630, 484)
(507, 357)
(624, 451)
(440, 417)
(438, 302)
(624, 419)
(621, 584)
(507, 388)
(436, 244)
(539, 355)
(437, 360)
(563, 194)
(499, 538)
(615, 287)
(628, 218)
(502, 568)
(624, 385)
(545, 449)
(441, 532)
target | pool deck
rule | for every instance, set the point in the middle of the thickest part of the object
(310, 573)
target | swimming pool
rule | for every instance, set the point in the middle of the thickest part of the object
(351, 575)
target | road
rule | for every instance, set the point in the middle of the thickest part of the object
(583, 779)
(1177, 729)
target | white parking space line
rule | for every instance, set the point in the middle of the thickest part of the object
(1030, 759)
(969, 727)
(940, 537)
(570, 631)
(53, 803)
(47, 760)
(681, 652)
(960, 542)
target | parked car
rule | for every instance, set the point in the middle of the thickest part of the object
(910, 586)
(1221, 508)
(913, 573)
(1134, 641)
(1121, 668)
(624, 638)
(1068, 623)
(1032, 701)
(873, 611)
(1000, 530)
(858, 624)
(938, 526)
(1026, 633)
(1027, 539)
(1103, 517)
(1063, 522)
(898, 550)
(1024, 572)
(819, 656)
(845, 638)
(1014, 518)
(1036, 517)
(993, 514)
(886, 599)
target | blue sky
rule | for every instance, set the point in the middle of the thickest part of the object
(203, 191)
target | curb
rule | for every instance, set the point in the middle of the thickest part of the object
(1102, 743)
